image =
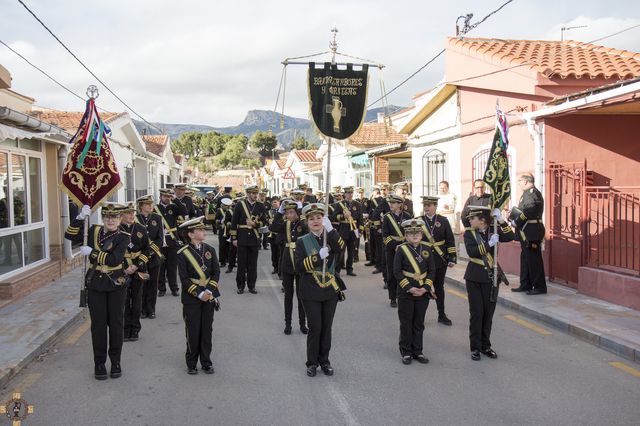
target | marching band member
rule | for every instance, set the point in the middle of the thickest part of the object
(392, 236)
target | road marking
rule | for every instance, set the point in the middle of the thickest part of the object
(22, 386)
(460, 294)
(343, 405)
(626, 368)
(78, 332)
(528, 325)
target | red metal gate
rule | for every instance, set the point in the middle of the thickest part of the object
(567, 220)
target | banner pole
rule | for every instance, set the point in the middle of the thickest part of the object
(327, 187)
(495, 254)
(83, 290)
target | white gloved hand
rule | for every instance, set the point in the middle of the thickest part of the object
(493, 240)
(357, 233)
(281, 209)
(85, 250)
(497, 214)
(327, 224)
(324, 252)
(299, 203)
(84, 212)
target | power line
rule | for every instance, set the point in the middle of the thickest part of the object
(615, 34)
(85, 67)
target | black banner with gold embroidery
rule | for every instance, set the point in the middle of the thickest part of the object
(496, 175)
(337, 99)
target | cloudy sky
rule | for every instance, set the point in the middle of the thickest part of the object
(209, 62)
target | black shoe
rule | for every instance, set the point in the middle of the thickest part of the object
(240, 291)
(152, 315)
(282, 289)
(208, 369)
(143, 315)
(520, 289)
(127, 336)
(287, 329)
(304, 329)
(100, 372)
(444, 320)
(312, 370)
(490, 353)
(421, 359)
(536, 291)
(393, 303)
(385, 286)
(475, 355)
(192, 370)
(228, 271)
(116, 371)
(327, 369)
(376, 271)
(134, 336)
(175, 293)
(351, 274)
(161, 293)
(253, 291)
(406, 359)
(222, 265)
(369, 264)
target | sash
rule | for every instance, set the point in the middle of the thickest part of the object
(167, 228)
(433, 242)
(311, 246)
(202, 278)
(352, 225)
(417, 274)
(246, 212)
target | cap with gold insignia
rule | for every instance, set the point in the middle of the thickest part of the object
(313, 208)
(251, 189)
(429, 199)
(375, 188)
(395, 199)
(239, 194)
(145, 199)
(384, 185)
(360, 190)
(129, 208)
(166, 191)
(191, 224)
(297, 191)
(275, 197)
(111, 209)
(347, 189)
(339, 195)
(320, 193)
(413, 225)
(179, 185)
(290, 205)
(264, 191)
(479, 211)
(337, 188)
(403, 185)
(211, 193)
(303, 186)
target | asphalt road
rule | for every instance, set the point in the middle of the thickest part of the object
(542, 376)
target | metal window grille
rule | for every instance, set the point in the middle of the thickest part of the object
(434, 170)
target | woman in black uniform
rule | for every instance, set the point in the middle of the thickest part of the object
(106, 246)
(480, 242)
(319, 294)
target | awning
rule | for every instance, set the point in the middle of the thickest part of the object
(384, 148)
(9, 132)
(360, 159)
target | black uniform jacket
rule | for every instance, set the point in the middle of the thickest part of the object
(106, 258)
(476, 243)
(199, 270)
(186, 205)
(289, 232)
(224, 215)
(444, 244)
(529, 226)
(172, 215)
(309, 266)
(484, 200)
(138, 250)
(405, 272)
(153, 224)
(240, 231)
(392, 231)
(344, 225)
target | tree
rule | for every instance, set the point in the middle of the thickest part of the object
(188, 144)
(213, 143)
(250, 163)
(264, 142)
(232, 153)
(300, 142)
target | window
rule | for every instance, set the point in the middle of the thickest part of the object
(129, 192)
(479, 164)
(434, 170)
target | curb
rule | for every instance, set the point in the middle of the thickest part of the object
(602, 340)
(43, 342)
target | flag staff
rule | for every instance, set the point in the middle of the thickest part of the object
(495, 221)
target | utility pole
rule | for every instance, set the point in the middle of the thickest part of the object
(563, 29)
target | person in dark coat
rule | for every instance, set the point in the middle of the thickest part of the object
(381, 208)
(392, 237)
(480, 243)
(199, 274)
(153, 224)
(414, 269)
(320, 293)
(347, 214)
(105, 283)
(172, 214)
(477, 198)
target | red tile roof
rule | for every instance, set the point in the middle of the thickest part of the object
(280, 163)
(565, 59)
(156, 143)
(376, 134)
(68, 120)
(307, 155)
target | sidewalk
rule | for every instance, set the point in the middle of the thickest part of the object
(31, 323)
(606, 325)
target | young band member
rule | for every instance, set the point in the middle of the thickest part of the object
(320, 294)
(480, 242)
(392, 236)
(153, 223)
(199, 273)
(105, 280)
(414, 269)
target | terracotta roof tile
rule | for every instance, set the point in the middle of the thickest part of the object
(155, 143)
(307, 155)
(280, 163)
(376, 134)
(69, 120)
(565, 59)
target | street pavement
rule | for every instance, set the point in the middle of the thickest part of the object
(542, 376)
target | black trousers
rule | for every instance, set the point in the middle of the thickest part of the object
(288, 281)
(438, 286)
(150, 291)
(275, 255)
(349, 250)
(356, 250)
(411, 313)
(320, 320)
(532, 266)
(106, 309)
(198, 325)
(481, 315)
(265, 241)
(223, 249)
(133, 306)
(169, 269)
(247, 266)
(381, 256)
(392, 283)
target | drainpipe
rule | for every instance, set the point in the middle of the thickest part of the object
(537, 134)
(64, 203)
(26, 120)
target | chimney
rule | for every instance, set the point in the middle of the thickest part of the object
(381, 117)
